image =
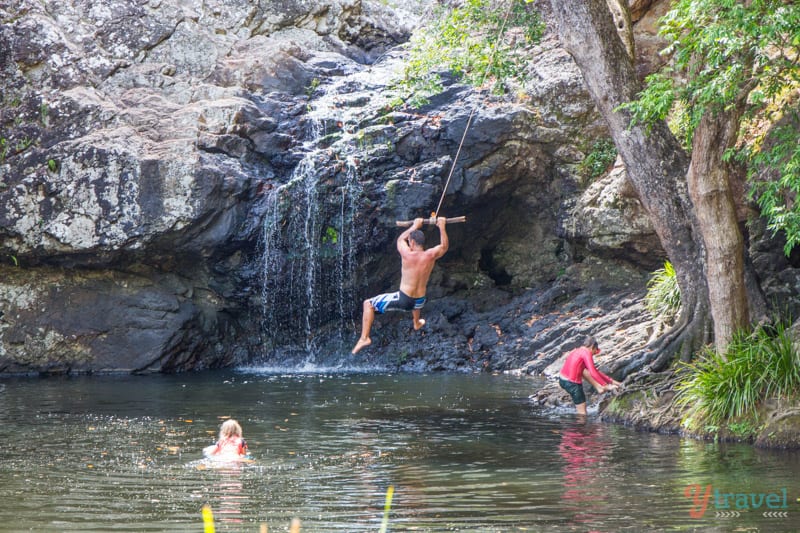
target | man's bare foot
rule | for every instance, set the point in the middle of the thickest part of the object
(360, 344)
(419, 323)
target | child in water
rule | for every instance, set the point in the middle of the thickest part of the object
(230, 446)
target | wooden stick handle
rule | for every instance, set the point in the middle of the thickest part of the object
(406, 223)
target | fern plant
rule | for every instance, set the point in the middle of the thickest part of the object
(663, 298)
(755, 366)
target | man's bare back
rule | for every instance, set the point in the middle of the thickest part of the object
(416, 269)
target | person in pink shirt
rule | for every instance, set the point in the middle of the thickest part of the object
(578, 366)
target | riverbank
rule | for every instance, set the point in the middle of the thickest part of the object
(650, 406)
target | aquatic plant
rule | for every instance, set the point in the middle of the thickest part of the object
(386, 508)
(756, 366)
(663, 298)
(208, 519)
(294, 527)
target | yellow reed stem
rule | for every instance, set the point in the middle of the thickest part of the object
(208, 519)
(387, 506)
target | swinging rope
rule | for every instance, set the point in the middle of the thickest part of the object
(475, 107)
(435, 214)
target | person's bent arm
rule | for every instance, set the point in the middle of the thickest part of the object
(596, 374)
(444, 241)
(402, 240)
(597, 386)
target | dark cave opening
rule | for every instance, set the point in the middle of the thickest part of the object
(496, 272)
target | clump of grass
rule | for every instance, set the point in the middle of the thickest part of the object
(663, 298)
(756, 366)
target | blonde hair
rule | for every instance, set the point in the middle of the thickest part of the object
(230, 428)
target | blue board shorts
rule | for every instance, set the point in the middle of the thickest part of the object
(396, 301)
(575, 390)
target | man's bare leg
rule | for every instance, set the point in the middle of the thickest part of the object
(367, 317)
(418, 322)
(580, 408)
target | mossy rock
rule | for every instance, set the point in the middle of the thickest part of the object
(643, 410)
(781, 432)
(623, 404)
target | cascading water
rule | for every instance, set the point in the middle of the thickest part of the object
(310, 235)
(345, 274)
(309, 255)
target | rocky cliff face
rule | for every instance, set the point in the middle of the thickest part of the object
(138, 139)
(189, 184)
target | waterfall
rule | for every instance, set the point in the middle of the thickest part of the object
(312, 228)
(309, 244)
(346, 273)
(308, 261)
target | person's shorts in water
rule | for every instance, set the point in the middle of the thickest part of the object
(575, 390)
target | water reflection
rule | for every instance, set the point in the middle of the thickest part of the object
(228, 494)
(584, 450)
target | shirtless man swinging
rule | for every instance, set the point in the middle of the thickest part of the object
(417, 264)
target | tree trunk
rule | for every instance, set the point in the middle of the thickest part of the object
(710, 190)
(656, 165)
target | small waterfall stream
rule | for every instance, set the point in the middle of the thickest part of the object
(310, 232)
(308, 256)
